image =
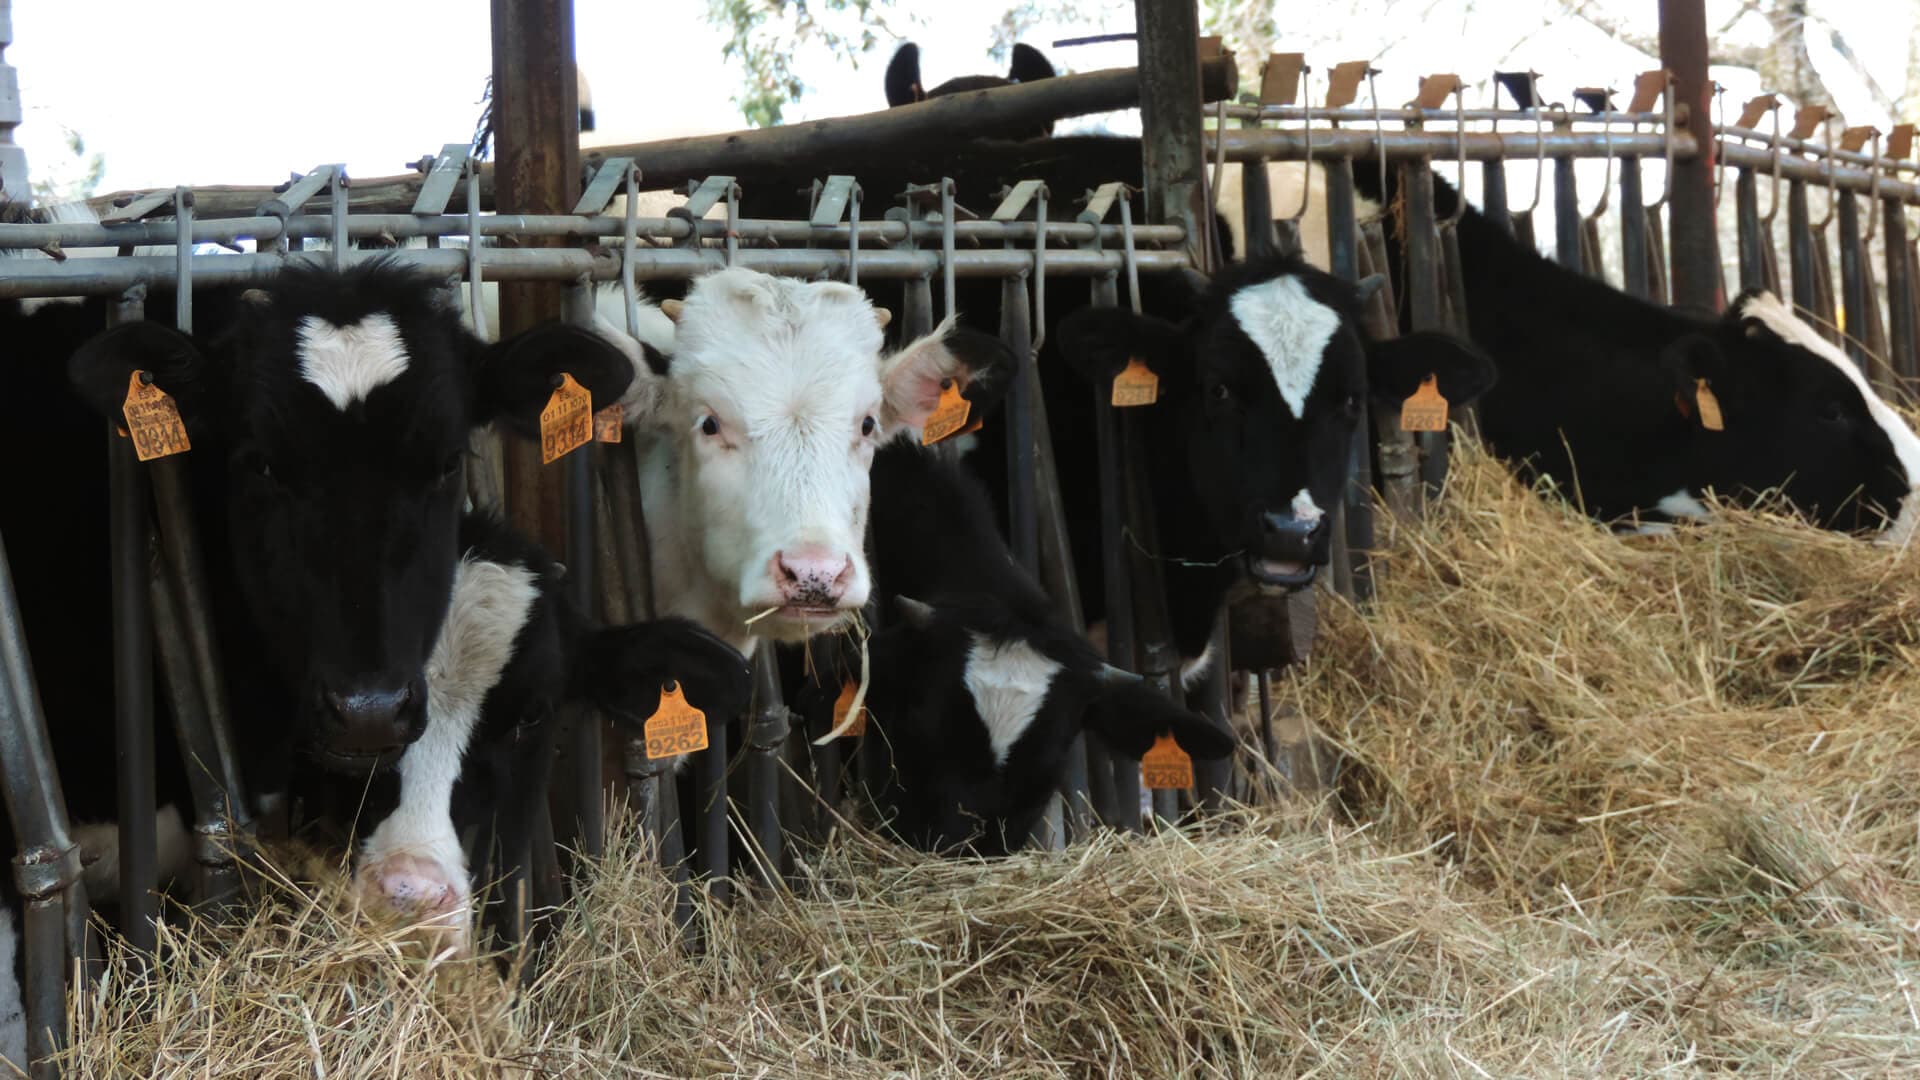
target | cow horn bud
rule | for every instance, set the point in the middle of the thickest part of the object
(1116, 678)
(913, 612)
(1369, 285)
(672, 309)
(882, 316)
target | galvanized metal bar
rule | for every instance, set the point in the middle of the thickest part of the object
(1424, 302)
(767, 729)
(947, 211)
(228, 232)
(1746, 201)
(712, 859)
(297, 194)
(834, 196)
(46, 864)
(337, 198)
(1800, 247)
(1633, 231)
(606, 180)
(1853, 286)
(1343, 258)
(589, 824)
(138, 208)
(1566, 216)
(1900, 312)
(133, 694)
(1291, 145)
(443, 178)
(476, 296)
(1399, 458)
(1413, 114)
(1022, 516)
(113, 276)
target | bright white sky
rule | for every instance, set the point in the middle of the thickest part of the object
(236, 92)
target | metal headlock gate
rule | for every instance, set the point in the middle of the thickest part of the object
(1029, 242)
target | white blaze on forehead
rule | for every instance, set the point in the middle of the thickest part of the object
(1304, 508)
(1291, 329)
(1009, 682)
(1776, 316)
(490, 605)
(347, 363)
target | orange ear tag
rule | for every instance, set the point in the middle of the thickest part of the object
(153, 420)
(1710, 417)
(607, 424)
(1135, 385)
(840, 707)
(949, 416)
(675, 727)
(566, 424)
(1426, 410)
(1166, 767)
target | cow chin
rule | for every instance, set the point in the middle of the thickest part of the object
(353, 764)
(1279, 575)
(793, 624)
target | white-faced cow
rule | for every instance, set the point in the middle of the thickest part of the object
(1601, 391)
(977, 687)
(366, 619)
(1247, 447)
(760, 420)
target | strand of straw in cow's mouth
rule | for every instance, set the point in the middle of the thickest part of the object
(857, 630)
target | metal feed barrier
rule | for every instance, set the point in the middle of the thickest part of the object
(160, 592)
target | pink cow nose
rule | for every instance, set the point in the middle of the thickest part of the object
(811, 577)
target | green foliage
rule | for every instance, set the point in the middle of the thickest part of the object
(766, 34)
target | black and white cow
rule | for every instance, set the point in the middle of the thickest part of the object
(1260, 387)
(367, 620)
(1599, 390)
(977, 687)
(904, 86)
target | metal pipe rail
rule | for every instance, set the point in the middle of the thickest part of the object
(1415, 115)
(106, 277)
(872, 234)
(1248, 144)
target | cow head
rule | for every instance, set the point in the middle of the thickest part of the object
(764, 423)
(1796, 413)
(341, 404)
(990, 702)
(1265, 384)
(904, 86)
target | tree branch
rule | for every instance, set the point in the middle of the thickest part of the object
(1747, 56)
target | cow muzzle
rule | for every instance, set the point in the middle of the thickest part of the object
(1288, 550)
(368, 725)
(811, 582)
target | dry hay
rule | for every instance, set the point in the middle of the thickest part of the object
(1612, 806)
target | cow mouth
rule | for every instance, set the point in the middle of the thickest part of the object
(1281, 573)
(353, 763)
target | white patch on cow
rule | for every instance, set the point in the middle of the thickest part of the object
(1777, 316)
(1682, 505)
(347, 363)
(1291, 329)
(413, 859)
(1009, 681)
(1192, 671)
(1304, 508)
(13, 1004)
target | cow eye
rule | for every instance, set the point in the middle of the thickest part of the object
(1833, 413)
(709, 425)
(451, 467)
(1352, 406)
(867, 426)
(1222, 392)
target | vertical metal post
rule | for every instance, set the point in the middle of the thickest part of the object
(1746, 209)
(1900, 313)
(1566, 216)
(1633, 231)
(1343, 257)
(1017, 331)
(1118, 800)
(1853, 285)
(13, 160)
(1424, 301)
(133, 683)
(1493, 195)
(713, 860)
(1800, 247)
(1695, 242)
(589, 808)
(767, 730)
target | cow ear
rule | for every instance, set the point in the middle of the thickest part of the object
(1695, 356)
(101, 369)
(1130, 716)
(1098, 343)
(516, 378)
(903, 76)
(1396, 367)
(622, 669)
(1029, 65)
(911, 378)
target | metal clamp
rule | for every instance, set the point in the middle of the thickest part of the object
(42, 872)
(1306, 187)
(476, 300)
(1127, 251)
(1600, 101)
(629, 245)
(1833, 187)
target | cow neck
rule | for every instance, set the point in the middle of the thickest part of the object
(1197, 566)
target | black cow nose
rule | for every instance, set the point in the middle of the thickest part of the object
(371, 720)
(1289, 537)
